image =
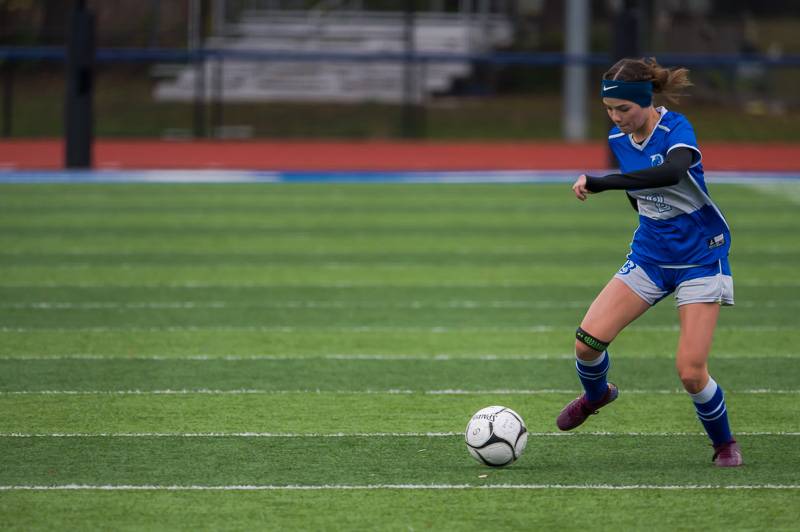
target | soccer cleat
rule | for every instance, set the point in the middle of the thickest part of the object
(576, 412)
(727, 455)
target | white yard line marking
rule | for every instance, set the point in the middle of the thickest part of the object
(758, 391)
(442, 357)
(246, 391)
(97, 305)
(332, 487)
(369, 357)
(338, 284)
(290, 435)
(237, 435)
(293, 329)
(331, 304)
(352, 284)
(785, 191)
(334, 304)
(384, 329)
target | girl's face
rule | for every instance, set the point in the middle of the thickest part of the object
(627, 115)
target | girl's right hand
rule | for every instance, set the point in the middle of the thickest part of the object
(579, 188)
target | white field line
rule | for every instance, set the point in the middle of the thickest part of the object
(441, 357)
(321, 265)
(362, 284)
(238, 435)
(516, 252)
(364, 487)
(334, 284)
(368, 329)
(286, 329)
(290, 435)
(246, 391)
(780, 190)
(366, 357)
(331, 304)
(97, 305)
(334, 304)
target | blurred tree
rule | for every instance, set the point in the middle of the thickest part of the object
(14, 20)
(53, 28)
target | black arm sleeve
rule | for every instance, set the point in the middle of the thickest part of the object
(669, 173)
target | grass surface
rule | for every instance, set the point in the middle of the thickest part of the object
(325, 345)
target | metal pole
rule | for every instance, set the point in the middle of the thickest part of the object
(78, 116)
(218, 9)
(8, 97)
(576, 74)
(217, 106)
(625, 22)
(195, 45)
(155, 9)
(409, 78)
(625, 18)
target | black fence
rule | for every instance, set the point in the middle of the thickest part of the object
(503, 90)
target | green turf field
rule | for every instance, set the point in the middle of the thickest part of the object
(306, 357)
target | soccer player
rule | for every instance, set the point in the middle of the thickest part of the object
(681, 247)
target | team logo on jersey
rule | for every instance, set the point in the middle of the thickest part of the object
(658, 200)
(716, 242)
(656, 160)
(627, 267)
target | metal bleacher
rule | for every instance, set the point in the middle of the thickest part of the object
(343, 32)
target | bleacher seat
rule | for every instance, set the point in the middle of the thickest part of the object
(339, 31)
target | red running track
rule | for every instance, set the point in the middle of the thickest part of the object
(373, 155)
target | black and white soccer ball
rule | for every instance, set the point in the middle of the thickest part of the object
(496, 436)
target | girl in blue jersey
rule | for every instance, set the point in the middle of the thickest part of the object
(681, 247)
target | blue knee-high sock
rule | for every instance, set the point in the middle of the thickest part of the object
(710, 406)
(592, 374)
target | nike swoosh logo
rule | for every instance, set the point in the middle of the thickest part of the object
(609, 88)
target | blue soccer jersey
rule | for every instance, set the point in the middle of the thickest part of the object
(679, 225)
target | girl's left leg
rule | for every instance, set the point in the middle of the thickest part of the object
(698, 321)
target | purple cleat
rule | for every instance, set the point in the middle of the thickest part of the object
(727, 455)
(576, 412)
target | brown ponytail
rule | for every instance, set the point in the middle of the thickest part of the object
(667, 81)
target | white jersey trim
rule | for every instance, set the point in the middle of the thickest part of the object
(661, 111)
(616, 135)
(708, 200)
(693, 148)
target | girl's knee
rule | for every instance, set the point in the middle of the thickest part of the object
(693, 376)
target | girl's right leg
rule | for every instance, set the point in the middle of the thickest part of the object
(612, 310)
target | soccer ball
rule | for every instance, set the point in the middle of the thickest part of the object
(496, 436)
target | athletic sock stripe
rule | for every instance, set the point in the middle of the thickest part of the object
(599, 361)
(709, 412)
(603, 364)
(591, 372)
(591, 377)
(704, 418)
